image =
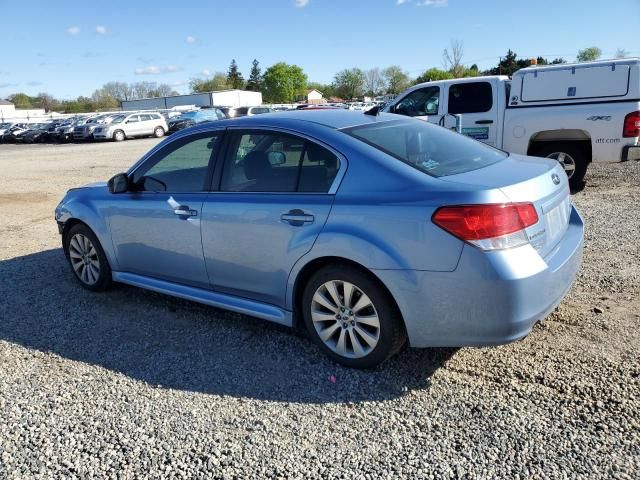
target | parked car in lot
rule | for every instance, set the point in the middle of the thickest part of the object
(13, 133)
(189, 119)
(250, 111)
(5, 126)
(573, 113)
(36, 133)
(121, 127)
(85, 130)
(64, 132)
(367, 230)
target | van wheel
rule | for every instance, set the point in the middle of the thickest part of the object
(119, 136)
(351, 317)
(158, 132)
(572, 158)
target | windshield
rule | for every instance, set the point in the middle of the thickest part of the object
(433, 150)
(118, 119)
(186, 116)
(5, 125)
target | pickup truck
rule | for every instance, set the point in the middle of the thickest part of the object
(575, 113)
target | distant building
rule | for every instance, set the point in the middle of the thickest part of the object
(222, 98)
(315, 97)
(7, 109)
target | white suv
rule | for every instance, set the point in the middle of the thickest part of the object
(143, 124)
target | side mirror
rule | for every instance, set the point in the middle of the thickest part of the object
(277, 158)
(118, 183)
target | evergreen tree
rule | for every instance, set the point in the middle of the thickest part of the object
(234, 77)
(255, 78)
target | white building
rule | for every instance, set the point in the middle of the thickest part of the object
(221, 98)
(315, 96)
(7, 109)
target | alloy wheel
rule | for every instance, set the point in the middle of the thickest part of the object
(566, 160)
(345, 319)
(84, 259)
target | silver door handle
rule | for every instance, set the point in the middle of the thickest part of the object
(185, 212)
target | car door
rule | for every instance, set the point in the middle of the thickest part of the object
(274, 193)
(146, 125)
(422, 103)
(474, 101)
(133, 126)
(155, 227)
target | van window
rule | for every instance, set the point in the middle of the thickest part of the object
(145, 118)
(471, 97)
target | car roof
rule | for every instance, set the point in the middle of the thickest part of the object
(333, 118)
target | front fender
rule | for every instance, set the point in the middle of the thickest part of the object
(87, 211)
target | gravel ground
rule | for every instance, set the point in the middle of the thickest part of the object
(135, 384)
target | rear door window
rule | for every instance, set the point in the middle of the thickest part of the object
(473, 97)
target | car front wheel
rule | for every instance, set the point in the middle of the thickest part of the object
(350, 315)
(87, 258)
(158, 132)
(118, 136)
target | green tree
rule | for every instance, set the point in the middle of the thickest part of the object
(433, 74)
(255, 77)
(215, 83)
(326, 89)
(349, 83)
(397, 80)
(234, 77)
(589, 54)
(21, 100)
(283, 83)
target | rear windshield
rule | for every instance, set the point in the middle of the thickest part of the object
(431, 149)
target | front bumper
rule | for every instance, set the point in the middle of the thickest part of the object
(491, 298)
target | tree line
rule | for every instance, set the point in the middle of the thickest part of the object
(285, 83)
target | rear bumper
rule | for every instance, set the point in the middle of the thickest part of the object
(630, 152)
(491, 298)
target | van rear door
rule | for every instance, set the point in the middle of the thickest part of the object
(477, 103)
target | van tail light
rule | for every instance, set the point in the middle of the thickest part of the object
(631, 126)
(490, 226)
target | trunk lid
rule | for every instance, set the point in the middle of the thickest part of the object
(540, 181)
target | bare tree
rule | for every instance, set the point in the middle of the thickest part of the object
(622, 53)
(374, 82)
(452, 59)
(118, 90)
(143, 89)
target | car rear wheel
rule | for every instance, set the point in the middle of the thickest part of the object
(158, 132)
(352, 317)
(87, 259)
(571, 157)
(119, 136)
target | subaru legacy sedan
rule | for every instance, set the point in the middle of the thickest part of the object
(367, 230)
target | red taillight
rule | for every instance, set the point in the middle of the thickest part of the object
(479, 222)
(631, 126)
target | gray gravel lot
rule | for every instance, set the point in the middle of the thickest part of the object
(133, 384)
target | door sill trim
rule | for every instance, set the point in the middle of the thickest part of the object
(252, 308)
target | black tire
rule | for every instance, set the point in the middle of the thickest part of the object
(103, 280)
(573, 151)
(391, 332)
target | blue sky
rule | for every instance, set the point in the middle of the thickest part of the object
(71, 48)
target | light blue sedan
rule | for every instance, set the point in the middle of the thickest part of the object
(368, 230)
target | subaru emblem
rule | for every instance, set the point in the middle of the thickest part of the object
(555, 178)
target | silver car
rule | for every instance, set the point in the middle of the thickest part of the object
(138, 124)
